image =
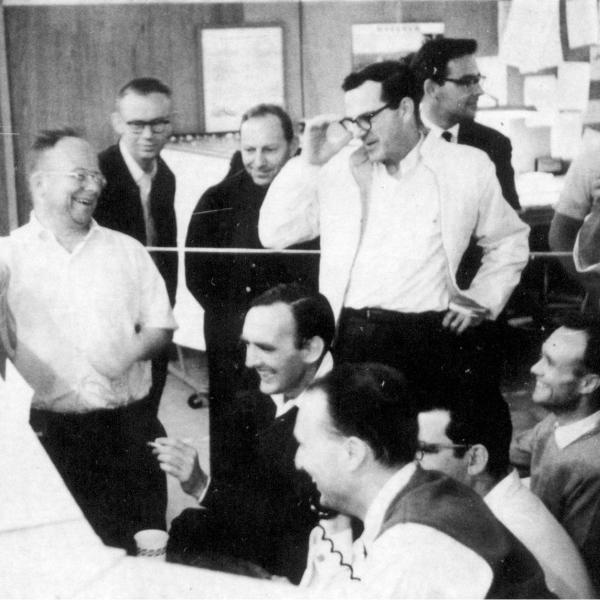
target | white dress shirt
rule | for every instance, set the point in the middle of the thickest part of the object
(567, 434)
(528, 519)
(76, 311)
(408, 560)
(437, 130)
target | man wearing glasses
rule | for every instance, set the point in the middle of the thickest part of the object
(395, 212)
(472, 445)
(91, 310)
(451, 85)
(139, 196)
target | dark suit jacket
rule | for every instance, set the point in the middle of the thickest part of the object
(499, 149)
(259, 508)
(119, 207)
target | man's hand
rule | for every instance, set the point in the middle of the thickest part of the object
(318, 143)
(180, 459)
(464, 313)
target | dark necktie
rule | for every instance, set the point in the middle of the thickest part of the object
(447, 136)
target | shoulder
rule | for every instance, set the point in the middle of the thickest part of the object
(441, 154)
(110, 157)
(224, 191)
(164, 171)
(475, 129)
(586, 164)
(120, 241)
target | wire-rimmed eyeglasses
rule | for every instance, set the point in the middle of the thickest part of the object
(81, 176)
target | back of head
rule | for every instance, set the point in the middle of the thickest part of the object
(144, 86)
(262, 110)
(44, 141)
(473, 421)
(431, 60)
(397, 81)
(312, 312)
(374, 403)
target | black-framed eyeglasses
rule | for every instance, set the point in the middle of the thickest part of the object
(434, 448)
(468, 81)
(156, 125)
(82, 176)
(362, 121)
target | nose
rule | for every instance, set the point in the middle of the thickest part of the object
(536, 368)
(147, 132)
(259, 159)
(478, 90)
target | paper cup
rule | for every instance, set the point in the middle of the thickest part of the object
(152, 543)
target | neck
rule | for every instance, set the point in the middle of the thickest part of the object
(146, 164)
(584, 408)
(408, 144)
(67, 236)
(369, 488)
(484, 483)
(303, 383)
(439, 120)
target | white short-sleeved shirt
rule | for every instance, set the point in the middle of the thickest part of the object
(576, 197)
(74, 309)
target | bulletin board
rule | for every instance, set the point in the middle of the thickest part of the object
(241, 67)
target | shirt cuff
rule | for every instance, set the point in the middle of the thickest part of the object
(202, 493)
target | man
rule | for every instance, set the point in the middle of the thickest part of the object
(140, 192)
(259, 508)
(91, 309)
(563, 450)
(425, 535)
(224, 284)
(472, 446)
(395, 216)
(451, 85)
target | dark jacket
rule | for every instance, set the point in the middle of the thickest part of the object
(120, 208)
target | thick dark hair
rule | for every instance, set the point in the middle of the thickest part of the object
(312, 312)
(397, 81)
(144, 86)
(45, 140)
(431, 60)
(473, 421)
(374, 403)
(590, 325)
(262, 110)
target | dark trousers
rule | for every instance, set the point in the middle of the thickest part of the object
(104, 460)
(429, 355)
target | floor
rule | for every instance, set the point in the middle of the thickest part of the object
(182, 421)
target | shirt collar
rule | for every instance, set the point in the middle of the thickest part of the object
(282, 405)
(134, 169)
(567, 434)
(37, 230)
(436, 129)
(505, 487)
(378, 509)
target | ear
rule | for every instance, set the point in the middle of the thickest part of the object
(313, 349)
(408, 108)
(478, 459)
(589, 384)
(294, 146)
(357, 452)
(117, 123)
(36, 182)
(430, 88)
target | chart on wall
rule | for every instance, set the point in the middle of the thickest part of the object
(375, 42)
(241, 67)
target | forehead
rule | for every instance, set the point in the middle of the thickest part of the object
(263, 130)
(566, 346)
(70, 153)
(272, 325)
(432, 426)
(465, 65)
(144, 107)
(365, 98)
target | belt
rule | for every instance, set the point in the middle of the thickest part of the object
(381, 315)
